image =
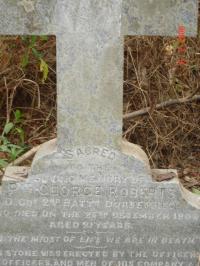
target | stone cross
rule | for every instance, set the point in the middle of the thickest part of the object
(90, 54)
(93, 205)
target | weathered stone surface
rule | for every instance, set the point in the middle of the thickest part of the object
(89, 64)
(15, 173)
(89, 205)
(27, 16)
(90, 54)
(95, 206)
(159, 17)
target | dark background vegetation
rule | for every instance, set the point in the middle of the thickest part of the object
(169, 135)
(27, 93)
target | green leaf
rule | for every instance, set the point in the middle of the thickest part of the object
(37, 54)
(33, 41)
(4, 148)
(18, 116)
(44, 38)
(44, 68)
(24, 38)
(3, 163)
(25, 60)
(196, 191)
(175, 44)
(4, 140)
(10, 145)
(20, 131)
(8, 127)
(15, 152)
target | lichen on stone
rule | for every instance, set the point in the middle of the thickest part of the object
(28, 5)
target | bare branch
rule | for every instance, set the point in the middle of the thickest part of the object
(146, 110)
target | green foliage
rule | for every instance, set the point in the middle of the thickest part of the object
(12, 151)
(31, 49)
(196, 191)
(36, 54)
(44, 38)
(44, 69)
(18, 116)
(3, 163)
(25, 59)
(7, 128)
(18, 130)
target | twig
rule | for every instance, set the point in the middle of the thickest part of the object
(25, 156)
(7, 101)
(146, 110)
(37, 87)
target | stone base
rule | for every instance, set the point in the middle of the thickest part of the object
(49, 148)
(48, 157)
(94, 200)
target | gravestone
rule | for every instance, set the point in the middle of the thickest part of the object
(87, 204)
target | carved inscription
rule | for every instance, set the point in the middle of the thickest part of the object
(95, 213)
(73, 223)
